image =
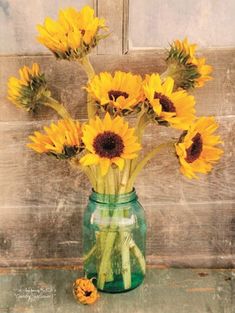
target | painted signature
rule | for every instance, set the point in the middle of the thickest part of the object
(31, 294)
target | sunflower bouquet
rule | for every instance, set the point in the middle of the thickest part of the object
(105, 147)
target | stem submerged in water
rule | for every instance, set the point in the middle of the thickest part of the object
(105, 259)
(126, 264)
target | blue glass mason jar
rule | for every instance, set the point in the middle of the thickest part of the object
(114, 240)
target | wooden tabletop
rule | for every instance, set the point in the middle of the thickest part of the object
(164, 291)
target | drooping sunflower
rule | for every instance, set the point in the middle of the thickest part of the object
(62, 140)
(188, 70)
(174, 107)
(26, 92)
(120, 93)
(109, 141)
(73, 34)
(84, 291)
(196, 149)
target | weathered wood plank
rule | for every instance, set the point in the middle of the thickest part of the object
(168, 290)
(178, 235)
(154, 23)
(42, 202)
(112, 11)
(191, 222)
(66, 81)
(18, 20)
(39, 181)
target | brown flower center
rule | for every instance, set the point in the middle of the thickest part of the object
(70, 151)
(114, 94)
(87, 293)
(166, 103)
(82, 31)
(194, 151)
(108, 145)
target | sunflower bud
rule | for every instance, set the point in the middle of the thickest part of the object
(187, 70)
(28, 91)
(73, 35)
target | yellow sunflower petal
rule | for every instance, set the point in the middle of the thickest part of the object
(167, 86)
(119, 162)
(104, 165)
(197, 152)
(61, 139)
(122, 91)
(174, 107)
(73, 34)
(111, 141)
(89, 159)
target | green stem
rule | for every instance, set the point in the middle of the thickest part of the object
(125, 177)
(126, 263)
(104, 271)
(145, 160)
(142, 122)
(86, 169)
(55, 105)
(109, 274)
(100, 182)
(88, 68)
(111, 181)
(124, 236)
(106, 256)
(89, 254)
(138, 254)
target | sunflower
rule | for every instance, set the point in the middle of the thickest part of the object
(196, 148)
(186, 49)
(120, 93)
(27, 91)
(62, 140)
(84, 291)
(73, 35)
(188, 70)
(204, 70)
(174, 107)
(109, 142)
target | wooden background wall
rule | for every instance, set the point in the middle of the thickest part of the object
(190, 222)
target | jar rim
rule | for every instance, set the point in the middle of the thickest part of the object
(113, 199)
